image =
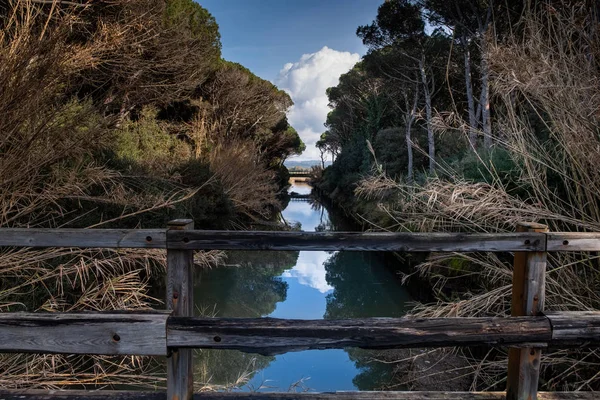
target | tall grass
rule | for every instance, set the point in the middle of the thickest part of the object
(245, 178)
(546, 87)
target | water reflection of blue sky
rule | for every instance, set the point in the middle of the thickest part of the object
(306, 296)
(322, 370)
(309, 269)
(301, 211)
(306, 299)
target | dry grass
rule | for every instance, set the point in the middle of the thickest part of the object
(551, 72)
(46, 147)
(245, 178)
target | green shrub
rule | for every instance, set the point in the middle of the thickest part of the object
(147, 143)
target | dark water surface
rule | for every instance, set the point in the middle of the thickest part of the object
(301, 285)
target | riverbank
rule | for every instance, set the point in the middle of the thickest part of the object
(479, 284)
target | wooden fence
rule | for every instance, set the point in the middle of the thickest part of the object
(174, 333)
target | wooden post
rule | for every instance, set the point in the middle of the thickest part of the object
(528, 294)
(180, 378)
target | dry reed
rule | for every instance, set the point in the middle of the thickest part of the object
(551, 71)
(245, 178)
(46, 150)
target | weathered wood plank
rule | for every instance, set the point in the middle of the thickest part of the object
(180, 299)
(255, 240)
(101, 238)
(354, 241)
(574, 241)
(114, 395)
(528, 296)
(84, 333)
(274, 336)
(575, 328)
(150, 333)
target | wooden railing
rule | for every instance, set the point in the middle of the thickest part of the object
(174, 333)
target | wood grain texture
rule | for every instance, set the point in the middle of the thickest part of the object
(575, 328)
(84, 333)
(151, 333)
(236, 240)
(528, 296)
(354, 241)
(101, 238)
(574, 241)
(275, 336)
(114, 395)
(180, 299)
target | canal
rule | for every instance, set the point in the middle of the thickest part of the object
(300, 285)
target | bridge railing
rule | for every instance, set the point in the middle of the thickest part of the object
(174, 333)
(301, 174)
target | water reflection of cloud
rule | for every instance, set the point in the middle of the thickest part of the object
(310, 270)
(301, 208)
(301, 211)
(300, 187)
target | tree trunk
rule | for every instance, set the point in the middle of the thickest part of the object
(409, 177)
(410, 117)
(470, 100)
(485, 95)
(486, 119)
(430, 138)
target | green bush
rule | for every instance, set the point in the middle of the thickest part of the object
(497, 165)
(147, 143)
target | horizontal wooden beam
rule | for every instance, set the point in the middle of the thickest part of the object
(84, 333)
(320, 241)
(100, 238)
(152, 333)
(115, 395)
(575, 328)
(573, 241)
(355, 241)
(275, 336)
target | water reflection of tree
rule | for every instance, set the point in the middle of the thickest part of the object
(227, 367)
(324, 221)
(373, 375)
(249, 286)
(364, 287)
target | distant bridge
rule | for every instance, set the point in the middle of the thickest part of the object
(300, 174)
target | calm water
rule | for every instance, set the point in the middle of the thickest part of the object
(302, 285)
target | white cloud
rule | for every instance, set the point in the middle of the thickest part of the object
(306, 82)
(310, 270)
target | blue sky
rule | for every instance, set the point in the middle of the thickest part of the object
(302, 46)
(264, 35)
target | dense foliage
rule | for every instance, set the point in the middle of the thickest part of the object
(137, 86)
(122, 113)
(419, 100)
(486, 118)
